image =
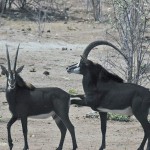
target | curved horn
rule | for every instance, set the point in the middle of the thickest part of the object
(16, 58)
(97, 43)
(8, 59)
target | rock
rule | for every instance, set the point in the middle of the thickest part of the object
(92, 114)
(46, 73)
(71, 28)
(147, 38)
(29, 29)
(32, 70)
(65, 22)
(64, 48)
(32, 135)
(5, 103)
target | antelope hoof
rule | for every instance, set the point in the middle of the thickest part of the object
(75, 148)
(59, 148)
(11, 146)
(102, 148)
(26, 148)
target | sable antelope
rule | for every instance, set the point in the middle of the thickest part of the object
(106, 92)
(27, 101)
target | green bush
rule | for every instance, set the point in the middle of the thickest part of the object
(72, 91)
(116, 117)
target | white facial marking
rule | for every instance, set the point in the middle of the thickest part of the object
(9, 77)
(11, 86)
(77, 69)
(126, 111)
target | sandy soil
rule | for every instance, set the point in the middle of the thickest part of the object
(53, 52)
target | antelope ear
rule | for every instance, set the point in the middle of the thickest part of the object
(85, 60)
(20, 69)
(4, 70)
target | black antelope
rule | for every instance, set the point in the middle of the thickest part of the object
(27, 101)
(106, 92)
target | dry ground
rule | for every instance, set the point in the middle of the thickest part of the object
(53, 52)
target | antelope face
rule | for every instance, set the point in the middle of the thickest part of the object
(75, 68)
(79, 68)
(11, 76)
(11, 80)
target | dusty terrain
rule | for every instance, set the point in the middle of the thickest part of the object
(53, 52)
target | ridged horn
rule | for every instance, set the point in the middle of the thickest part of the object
(97, 43)
(15, 63)
(8, 59)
